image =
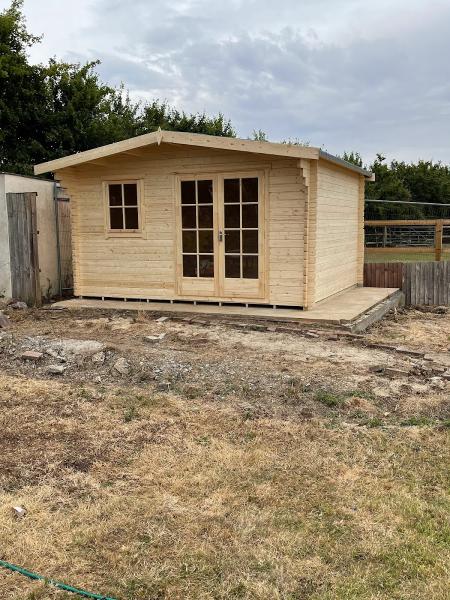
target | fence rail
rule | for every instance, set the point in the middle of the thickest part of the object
(423, 283)
(417, 236)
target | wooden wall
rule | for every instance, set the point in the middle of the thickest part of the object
(339, 226)
(144, 267)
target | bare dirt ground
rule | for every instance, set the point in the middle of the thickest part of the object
(214, 462)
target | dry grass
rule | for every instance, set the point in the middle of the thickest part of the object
(223, 488)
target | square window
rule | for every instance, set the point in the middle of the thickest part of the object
(115, 194)
(205, 241)
(189, 217)
(206, 265)
(205, 217)
(232, 266)
(131, 218)
(130, 194)
(250, 189)
(232, 241)
(250, 241)
(233, 215)
(116, 218)
(190, 265)
(190, 241)
(250, 215)
(205, 191)
(250, 267)
(231, 190)
(188, 192)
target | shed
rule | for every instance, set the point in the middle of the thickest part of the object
(171, 216)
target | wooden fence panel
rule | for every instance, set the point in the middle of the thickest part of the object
(423, 283)
(23, 247)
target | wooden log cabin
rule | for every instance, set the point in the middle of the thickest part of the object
(171, 216)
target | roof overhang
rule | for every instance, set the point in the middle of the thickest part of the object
(190, 139)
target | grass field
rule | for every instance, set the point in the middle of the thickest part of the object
(380, 257)
(225, 465)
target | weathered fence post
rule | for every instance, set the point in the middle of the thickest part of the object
(438, 235)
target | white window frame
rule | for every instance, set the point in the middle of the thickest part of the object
(140, 195)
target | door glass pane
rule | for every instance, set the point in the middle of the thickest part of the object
(190, 265)
(232, 266)
(188, 192)
(130, 194)
(250, 189)
(131, 218)
(116, 218)
(205, 191)
(233, 215)
(250, 267)
(231, 190)
(115, 194)
(250, 241)
(189, 241)
(232, 241)
(189, 217)
(206, 263)
(205, 241)
(250, 215)
(205, 217)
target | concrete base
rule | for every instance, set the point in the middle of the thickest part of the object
(341, 309)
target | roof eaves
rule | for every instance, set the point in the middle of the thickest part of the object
(344, 163)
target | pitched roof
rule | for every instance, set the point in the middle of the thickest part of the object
(193, 139)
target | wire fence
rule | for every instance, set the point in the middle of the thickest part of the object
(398, 209)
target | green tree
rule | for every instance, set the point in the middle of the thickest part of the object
(22, 94)
(353, 157)
(49, 111)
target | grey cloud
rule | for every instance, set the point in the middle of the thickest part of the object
(311, 69)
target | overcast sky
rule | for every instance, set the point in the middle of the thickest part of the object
(342, 74)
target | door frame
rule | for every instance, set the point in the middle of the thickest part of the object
(217, 178)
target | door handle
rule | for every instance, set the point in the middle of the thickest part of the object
(220, 236)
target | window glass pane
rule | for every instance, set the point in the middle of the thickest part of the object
(250, 241)
(130, 194)
(131, 218)
(115, 194)
(231, 190)
(250, 215)
(232, 241)
(190, 265)
(205, 191)
(188, 192)
(205, 241)
(250, 189)
(250, 267)
(206, 263)
(116, 217)
(233, 215)
(232, 266)
(189, 241)
(189, 217)
(205, 217)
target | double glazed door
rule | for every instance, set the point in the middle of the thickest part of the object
(221, 237)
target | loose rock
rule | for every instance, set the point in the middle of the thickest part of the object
(31, 355)
(18, 305)
(122, 366)
(4, 322)
(152, 339)
(55, 369)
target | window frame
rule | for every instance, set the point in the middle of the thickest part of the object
(109, 232)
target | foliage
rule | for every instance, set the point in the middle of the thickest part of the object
(259, 136)
(353, 157)
(49, 111)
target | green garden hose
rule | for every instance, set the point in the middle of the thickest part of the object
(61, 586)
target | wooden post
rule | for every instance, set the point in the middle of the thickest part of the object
(438, 234)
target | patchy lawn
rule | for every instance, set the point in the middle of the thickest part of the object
(221, 463)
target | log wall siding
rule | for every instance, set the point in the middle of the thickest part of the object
(145, 266)
(338, 224)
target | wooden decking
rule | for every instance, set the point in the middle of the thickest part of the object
(339, 309)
